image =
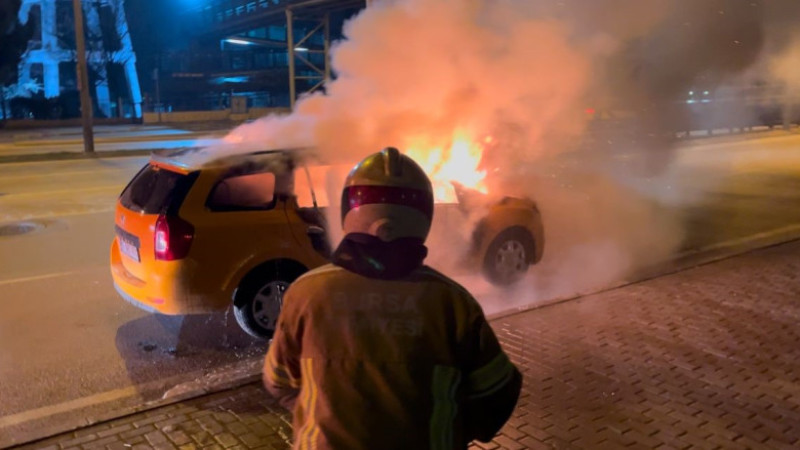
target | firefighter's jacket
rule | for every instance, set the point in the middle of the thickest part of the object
(367, 363)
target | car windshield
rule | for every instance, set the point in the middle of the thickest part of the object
(152, 190)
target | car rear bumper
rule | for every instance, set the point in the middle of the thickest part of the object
(128, 298)
(162, 292)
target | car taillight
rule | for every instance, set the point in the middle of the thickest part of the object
(173, 238)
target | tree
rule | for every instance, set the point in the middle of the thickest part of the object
(13, 42)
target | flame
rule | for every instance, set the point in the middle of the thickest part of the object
(460, 163)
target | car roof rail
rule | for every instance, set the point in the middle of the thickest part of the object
(192, 158)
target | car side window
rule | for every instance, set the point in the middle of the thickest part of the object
(243, 193)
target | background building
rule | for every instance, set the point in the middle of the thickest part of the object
(229, 54)
(188, 55)
(47, 87)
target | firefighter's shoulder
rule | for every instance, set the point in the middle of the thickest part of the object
(432, 275)
(321, 271)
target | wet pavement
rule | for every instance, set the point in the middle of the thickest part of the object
(707, 358)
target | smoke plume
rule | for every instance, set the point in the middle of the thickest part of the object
(535, 77)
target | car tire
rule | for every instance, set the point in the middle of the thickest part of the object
(258, 301)
(508, 256)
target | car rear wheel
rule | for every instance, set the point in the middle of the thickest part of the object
(259, 299)
(508, 257)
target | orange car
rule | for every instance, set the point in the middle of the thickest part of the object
(196, 239)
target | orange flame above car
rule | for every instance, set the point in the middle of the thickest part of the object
(459, 162)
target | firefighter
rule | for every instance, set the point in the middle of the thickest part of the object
(377, 350)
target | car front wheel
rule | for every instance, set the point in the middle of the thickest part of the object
(508, 257)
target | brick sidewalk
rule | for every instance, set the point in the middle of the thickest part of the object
(705, 358)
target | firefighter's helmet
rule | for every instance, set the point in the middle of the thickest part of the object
(389, 196)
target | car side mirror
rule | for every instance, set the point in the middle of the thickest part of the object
(319, 240)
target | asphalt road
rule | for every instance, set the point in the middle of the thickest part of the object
(72, 351)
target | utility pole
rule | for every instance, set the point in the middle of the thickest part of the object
(83, 79)
(3, 102)
(290, 55)
(157, 79)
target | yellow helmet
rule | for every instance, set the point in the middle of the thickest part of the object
(387, 195)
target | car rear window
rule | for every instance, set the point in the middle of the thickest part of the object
(154, 190)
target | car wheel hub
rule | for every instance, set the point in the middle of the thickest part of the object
(267, 304)
(510, 260)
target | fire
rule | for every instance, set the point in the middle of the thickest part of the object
(460, 163)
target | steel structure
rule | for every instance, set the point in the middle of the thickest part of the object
(50, 49)
(231, 19)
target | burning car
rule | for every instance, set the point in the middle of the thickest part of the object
(236, 231)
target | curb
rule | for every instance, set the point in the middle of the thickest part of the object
(681, 262)
(117, 140)
(692, 141)
(36, 429)
(66, 156)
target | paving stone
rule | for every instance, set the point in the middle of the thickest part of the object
(137, 432)
(484, 446)
(156, 437)
(171, 421)
(73, 441)
(135, 440)
(203, 438)
(163, 446)
(534, 444)
(210, 424)
(119, 445)
(225, 417)
(150, 418)
(114, 430)
(100, 443)
(178, 437)
(227, 440)
(237, 428)
(508, 443)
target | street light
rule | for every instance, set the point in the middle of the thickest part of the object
(239, 41)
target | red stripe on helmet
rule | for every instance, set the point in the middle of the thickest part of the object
(355, 196)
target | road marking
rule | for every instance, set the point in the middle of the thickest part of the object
(36, 278)
(65, 407)
(32, 217)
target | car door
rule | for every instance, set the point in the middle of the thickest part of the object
(240, 222)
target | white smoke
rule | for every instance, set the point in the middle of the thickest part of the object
(422, 69)
(411, 71)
